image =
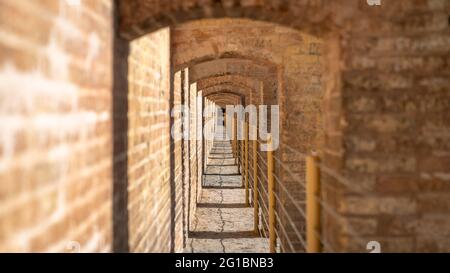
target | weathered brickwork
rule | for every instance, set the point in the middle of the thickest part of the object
(193, 157)
(177, 164)
(240, 56)
(396, 98)
(55, 126)
(87, 162)
(313, 16)
(225, 98)
(187, 186)
(385, 94)
(210, 126)
(150, 193)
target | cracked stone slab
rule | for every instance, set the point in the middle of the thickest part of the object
(221, 156)
(221, 162)
(223, 222)
(222, 170)
(224, 181)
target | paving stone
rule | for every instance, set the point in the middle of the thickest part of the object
(223, 223)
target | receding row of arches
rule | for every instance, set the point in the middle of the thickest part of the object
(88, 128)
(295, 54)
(221, 62)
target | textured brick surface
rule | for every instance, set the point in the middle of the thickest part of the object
(149, 170)
(55, 126)
(86, 161)
(265, 64)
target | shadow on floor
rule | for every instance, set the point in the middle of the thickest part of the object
(221, 187)
(222, 235)
(223, 222)
(222, 205)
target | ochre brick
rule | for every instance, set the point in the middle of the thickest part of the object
(86, 153)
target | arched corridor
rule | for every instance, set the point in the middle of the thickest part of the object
(224, 126)
(224, 222)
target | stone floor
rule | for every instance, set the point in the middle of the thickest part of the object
(223, 223)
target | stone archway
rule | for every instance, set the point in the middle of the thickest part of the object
(75, 129)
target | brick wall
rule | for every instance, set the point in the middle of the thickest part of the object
(150, 193)
(55, 124)
(194, 158)
(395, 89)
(199, 141)
(188, 214)
(286, 63)
(301, 103)
(87, 155)
(209, 128)
(177, 166)
(63, 160)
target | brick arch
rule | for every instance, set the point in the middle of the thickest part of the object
(227, 66)
(205, 40)
(284, 60)
(226, 94)
(246, 93)
(225, 91)
(229, 87)
(226, 97)
(384, 133)
(235, 79)
(248, 90)
(267, 75)
(140, 17)
(196, 57)
(283, 70)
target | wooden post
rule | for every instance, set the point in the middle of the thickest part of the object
(236, 151)
(238, 146)
(255, 187)
(271, 190)
(241, 159)
(247, 193)
(312, 205)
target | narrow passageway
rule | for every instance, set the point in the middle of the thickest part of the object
(223, 223)
(338, 114)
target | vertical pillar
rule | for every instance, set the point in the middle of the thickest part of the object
(271, 191)
(241, 160)
(247, 193)
(255, 187)
(236, 152)
(312, 205)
